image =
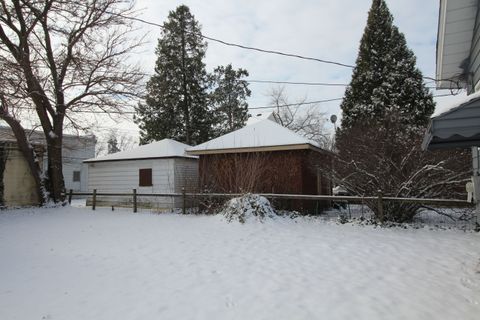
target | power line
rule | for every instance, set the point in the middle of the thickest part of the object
(231, 44)
(299, 104)
(328, 84)
(296, 104)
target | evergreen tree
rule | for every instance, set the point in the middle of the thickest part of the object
(386, 84)
(386, 109)
(229, 99)
(176, 102)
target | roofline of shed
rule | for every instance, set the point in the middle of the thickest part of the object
(302, 146)
(146, 158)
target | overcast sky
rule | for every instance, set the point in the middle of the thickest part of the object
(325, 29)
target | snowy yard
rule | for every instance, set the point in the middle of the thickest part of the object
(73, 263)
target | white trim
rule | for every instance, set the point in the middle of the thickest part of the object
(440, 40)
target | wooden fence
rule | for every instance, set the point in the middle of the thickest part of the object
(379, 198)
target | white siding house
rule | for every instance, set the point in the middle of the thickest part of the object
(458, 66)
(76, 149)
(158, 167)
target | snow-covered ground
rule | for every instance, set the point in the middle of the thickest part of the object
(73, 263)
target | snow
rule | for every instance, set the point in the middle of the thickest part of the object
(74, 263)
(259, 117)
(453, 103)
(160, 149)
(249, 207)
(264, 133)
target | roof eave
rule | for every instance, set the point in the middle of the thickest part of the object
(302, 146)
(133, 159)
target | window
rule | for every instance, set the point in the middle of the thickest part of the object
(145, 177)
(76, 176)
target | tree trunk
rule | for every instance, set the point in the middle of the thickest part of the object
(55, 163)
(186, 104)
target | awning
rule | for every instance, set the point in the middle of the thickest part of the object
(458, 127)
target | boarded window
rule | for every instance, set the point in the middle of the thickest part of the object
(145, 177)
(76, 176)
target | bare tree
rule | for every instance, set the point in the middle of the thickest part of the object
(122, 141)
(303, 119)
(58, 57)
(374, 159)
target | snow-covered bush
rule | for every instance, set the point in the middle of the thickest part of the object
(247, 207)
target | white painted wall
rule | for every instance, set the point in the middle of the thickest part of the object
(186, 176)
(123, 177)
(75, 150)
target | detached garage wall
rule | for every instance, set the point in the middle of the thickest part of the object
(186, 176)
(123, 177)
(169, 175)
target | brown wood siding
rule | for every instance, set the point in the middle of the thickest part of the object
(292, 171)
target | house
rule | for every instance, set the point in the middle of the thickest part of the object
(264, 157)
(458, 67)
(458, 45)
(76, 148)
(17, 185)
(158, 167)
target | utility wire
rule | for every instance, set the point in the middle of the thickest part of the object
(299, 104)
(327, 84)
(231, 44)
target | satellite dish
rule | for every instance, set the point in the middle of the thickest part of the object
(333, 118)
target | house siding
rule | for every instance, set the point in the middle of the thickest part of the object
(168, 176)
(75, 150)
(285, 172)
(186, 177)
(18, 182)
(122, 177)
(474, 67)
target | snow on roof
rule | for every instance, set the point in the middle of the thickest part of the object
(264, 133)
(259, 117)
(166, 148)
(442, 109)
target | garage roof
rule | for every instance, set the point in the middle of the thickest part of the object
(166, 148)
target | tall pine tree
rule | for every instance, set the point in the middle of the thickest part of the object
(176, 102)
(386, 84)
(386, 109)
(229, 99)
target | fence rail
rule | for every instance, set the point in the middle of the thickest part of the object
(380, 199)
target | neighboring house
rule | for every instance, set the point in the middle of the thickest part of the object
(264, 157)
(76, 148)
(158, 167)
(458, 45)
(458, 66)
(17, 186)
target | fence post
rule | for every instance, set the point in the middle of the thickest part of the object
(70, 196)
(134, 200)
(380, 205)
(94, 199)
(184, 201)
